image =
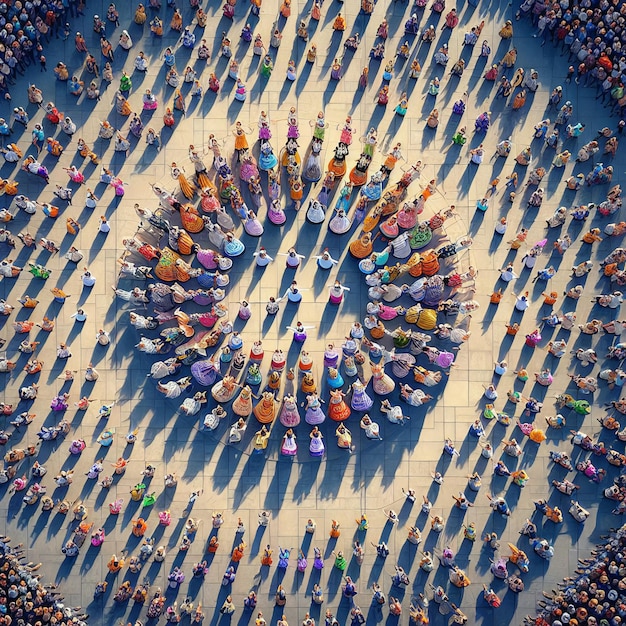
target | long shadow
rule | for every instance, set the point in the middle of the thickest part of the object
(276, 491)
(329, 91)
(303, 77)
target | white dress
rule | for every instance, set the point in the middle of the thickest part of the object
(315, 213)
(289, 446)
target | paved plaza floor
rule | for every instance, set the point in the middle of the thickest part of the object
(342, 485)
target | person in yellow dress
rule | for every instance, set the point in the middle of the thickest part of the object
(177, 21)
(179, 101)
(344, 437)
(72, 226)
(140, 15)
(122, 106)
(241, 142)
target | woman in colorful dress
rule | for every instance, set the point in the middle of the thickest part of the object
(316, 445)
(338, 410)
(289, 446)
(241, 142)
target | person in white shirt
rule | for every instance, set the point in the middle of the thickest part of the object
(262, 257)
(325, 261)
(74, 255)
(89, 280)
(104, 225)
(521, 303)
(63, 351)
(91, 200)
(507, 274)
(293, 258)
(103, 338)
(79, 316)
(293, 293)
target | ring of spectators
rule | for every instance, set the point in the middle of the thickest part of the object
(24, 600)
(593, 35)
(595, 597)
(26, 26)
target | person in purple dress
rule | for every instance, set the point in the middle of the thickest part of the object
(360, 399)
(299, 332)
(316, 445)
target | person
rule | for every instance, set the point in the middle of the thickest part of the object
(442, 57)
(103, 338)
(460, 138)
(302, 31)
(477, 155)
(87, 278)
(126, 84)
(227, 608)
(273, 306)
(336, 70)
(403, 50)
(415, 69)
(76, 86)
(168, 118)
(519, 101)
(126, 42)
(61, 72)
(104, 226)
(458, 68)
(339, 23)
(93, 93)
(276, 38)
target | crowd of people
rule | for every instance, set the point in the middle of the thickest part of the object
(26, 28)
(25, 599)
(594, 594)
(592, 34)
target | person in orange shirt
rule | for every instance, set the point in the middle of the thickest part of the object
(237, 554)
(213, 545)
(550, 298)
(429, 190)
(339, 23)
